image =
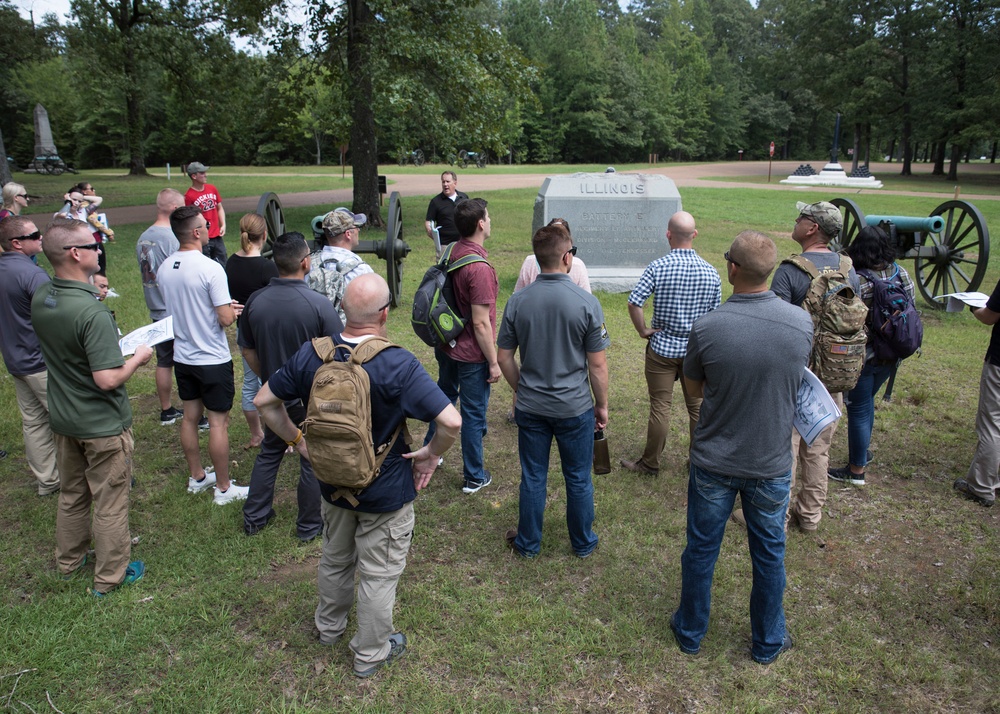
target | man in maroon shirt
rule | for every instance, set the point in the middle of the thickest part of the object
(468, 368)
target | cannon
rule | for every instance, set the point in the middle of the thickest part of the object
(950, 247)
(392, 250)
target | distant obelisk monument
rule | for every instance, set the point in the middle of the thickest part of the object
(833, 173)
(44, 145)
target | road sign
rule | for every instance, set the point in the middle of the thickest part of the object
(772, 148)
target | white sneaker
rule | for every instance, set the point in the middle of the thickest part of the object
(203, 485)
(235, 493)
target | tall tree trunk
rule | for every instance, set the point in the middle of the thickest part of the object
(5, 177)
(939, 148)
(956, 156)
(133, 112)
(892, 149)
(906, 144)
(993, 154)
(364, 149)
(868, 145)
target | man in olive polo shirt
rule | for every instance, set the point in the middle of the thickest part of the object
(89, 410)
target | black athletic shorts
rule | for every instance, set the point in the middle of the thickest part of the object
(165, 354)
(212, 384)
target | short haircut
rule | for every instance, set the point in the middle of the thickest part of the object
(288, 250)
(168, 199)
(58, 234)
(101, 274)
(11, 228)
(755, 254)
(454, 176)
(549, 245)
(182, 221)
(468, 213)
(560, 222)
(11, 191)
(872, 249)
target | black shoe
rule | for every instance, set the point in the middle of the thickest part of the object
(845, 475)
(962, 486)
(472, 485)
(786, 644)
(869, 456)
(397, 648)
(252, 530)
(171, 416)
(203, 423)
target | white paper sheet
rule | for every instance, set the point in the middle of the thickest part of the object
(958, 301)
(153, 334)
(814, 408)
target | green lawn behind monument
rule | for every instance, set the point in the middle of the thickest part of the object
(897, 612)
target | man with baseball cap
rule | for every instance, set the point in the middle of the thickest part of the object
(335, 264)
(206, 197)
(817, 224)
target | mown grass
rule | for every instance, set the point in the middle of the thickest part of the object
(898, 612)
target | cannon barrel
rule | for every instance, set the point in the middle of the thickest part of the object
(910, 224)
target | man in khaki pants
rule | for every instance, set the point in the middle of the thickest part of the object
(19, 279)
(90, 412)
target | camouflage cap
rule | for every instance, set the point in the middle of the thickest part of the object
(826, 215)
(340, 220)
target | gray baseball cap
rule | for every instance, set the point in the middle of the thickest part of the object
(196, 167)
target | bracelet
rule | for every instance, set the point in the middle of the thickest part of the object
(296, 440)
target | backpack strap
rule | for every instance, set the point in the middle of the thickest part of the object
(803, 264)
(381, 453)
(846, 265)
(325, 348)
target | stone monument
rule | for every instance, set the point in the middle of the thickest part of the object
(618, 221)
(833, 173)
(44, 145)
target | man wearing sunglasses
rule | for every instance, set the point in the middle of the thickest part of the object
(19, 279)
(90, 412)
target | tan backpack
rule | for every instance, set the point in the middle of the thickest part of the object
(839, 337)
(338, 422)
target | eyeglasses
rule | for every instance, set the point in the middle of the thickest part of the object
(571, 251)
(730, 260)
(85, 246)
(388, 304)
(37, 235)
(804, 217)
(22, 195)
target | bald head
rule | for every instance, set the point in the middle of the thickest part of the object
(365, 299)
(681, 230)
(167, 200)
(755, 255)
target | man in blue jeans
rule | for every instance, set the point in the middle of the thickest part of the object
(559, 330)
(468, 366)
(746, 359)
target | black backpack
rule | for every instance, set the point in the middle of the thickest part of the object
(894, 324)
(436, 319)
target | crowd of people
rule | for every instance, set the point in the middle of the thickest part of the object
(550, 346)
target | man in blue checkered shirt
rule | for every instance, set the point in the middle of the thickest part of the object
(685, 288)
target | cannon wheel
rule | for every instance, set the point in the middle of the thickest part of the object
(481, 159)
(269, 206)
(394, 261)
(418, 158)
(961, 253)
(854, 221)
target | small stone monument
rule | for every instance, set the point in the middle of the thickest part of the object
(44, 145)
(618, 221)
(833, 173)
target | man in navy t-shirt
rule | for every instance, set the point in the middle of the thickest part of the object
(372, 537)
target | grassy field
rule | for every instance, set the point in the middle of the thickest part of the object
(970, 181)
(896, 613)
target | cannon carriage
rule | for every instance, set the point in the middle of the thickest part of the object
(950, 248)
(393, 249)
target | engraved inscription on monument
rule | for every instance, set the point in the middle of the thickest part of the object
(619, 221)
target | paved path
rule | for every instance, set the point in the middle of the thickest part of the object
(698, 175)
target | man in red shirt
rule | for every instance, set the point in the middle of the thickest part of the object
(206, 197)
(468, 368)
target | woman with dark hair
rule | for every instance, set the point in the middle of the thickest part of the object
(873, 255)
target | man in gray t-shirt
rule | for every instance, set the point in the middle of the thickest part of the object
(746, 359)
(816, 225)
(152, 248)
(559, 330)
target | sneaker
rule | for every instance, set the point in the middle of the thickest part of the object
(203, 423)
(677, 638)
(472, 485)
(845, 475)
(638, 467)
(206, 482)
(440, 460)
(397, 648)
(88, 557)
(171, 416)
(962, 486)
(133, 573)
(786, 644)
(234, 493)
